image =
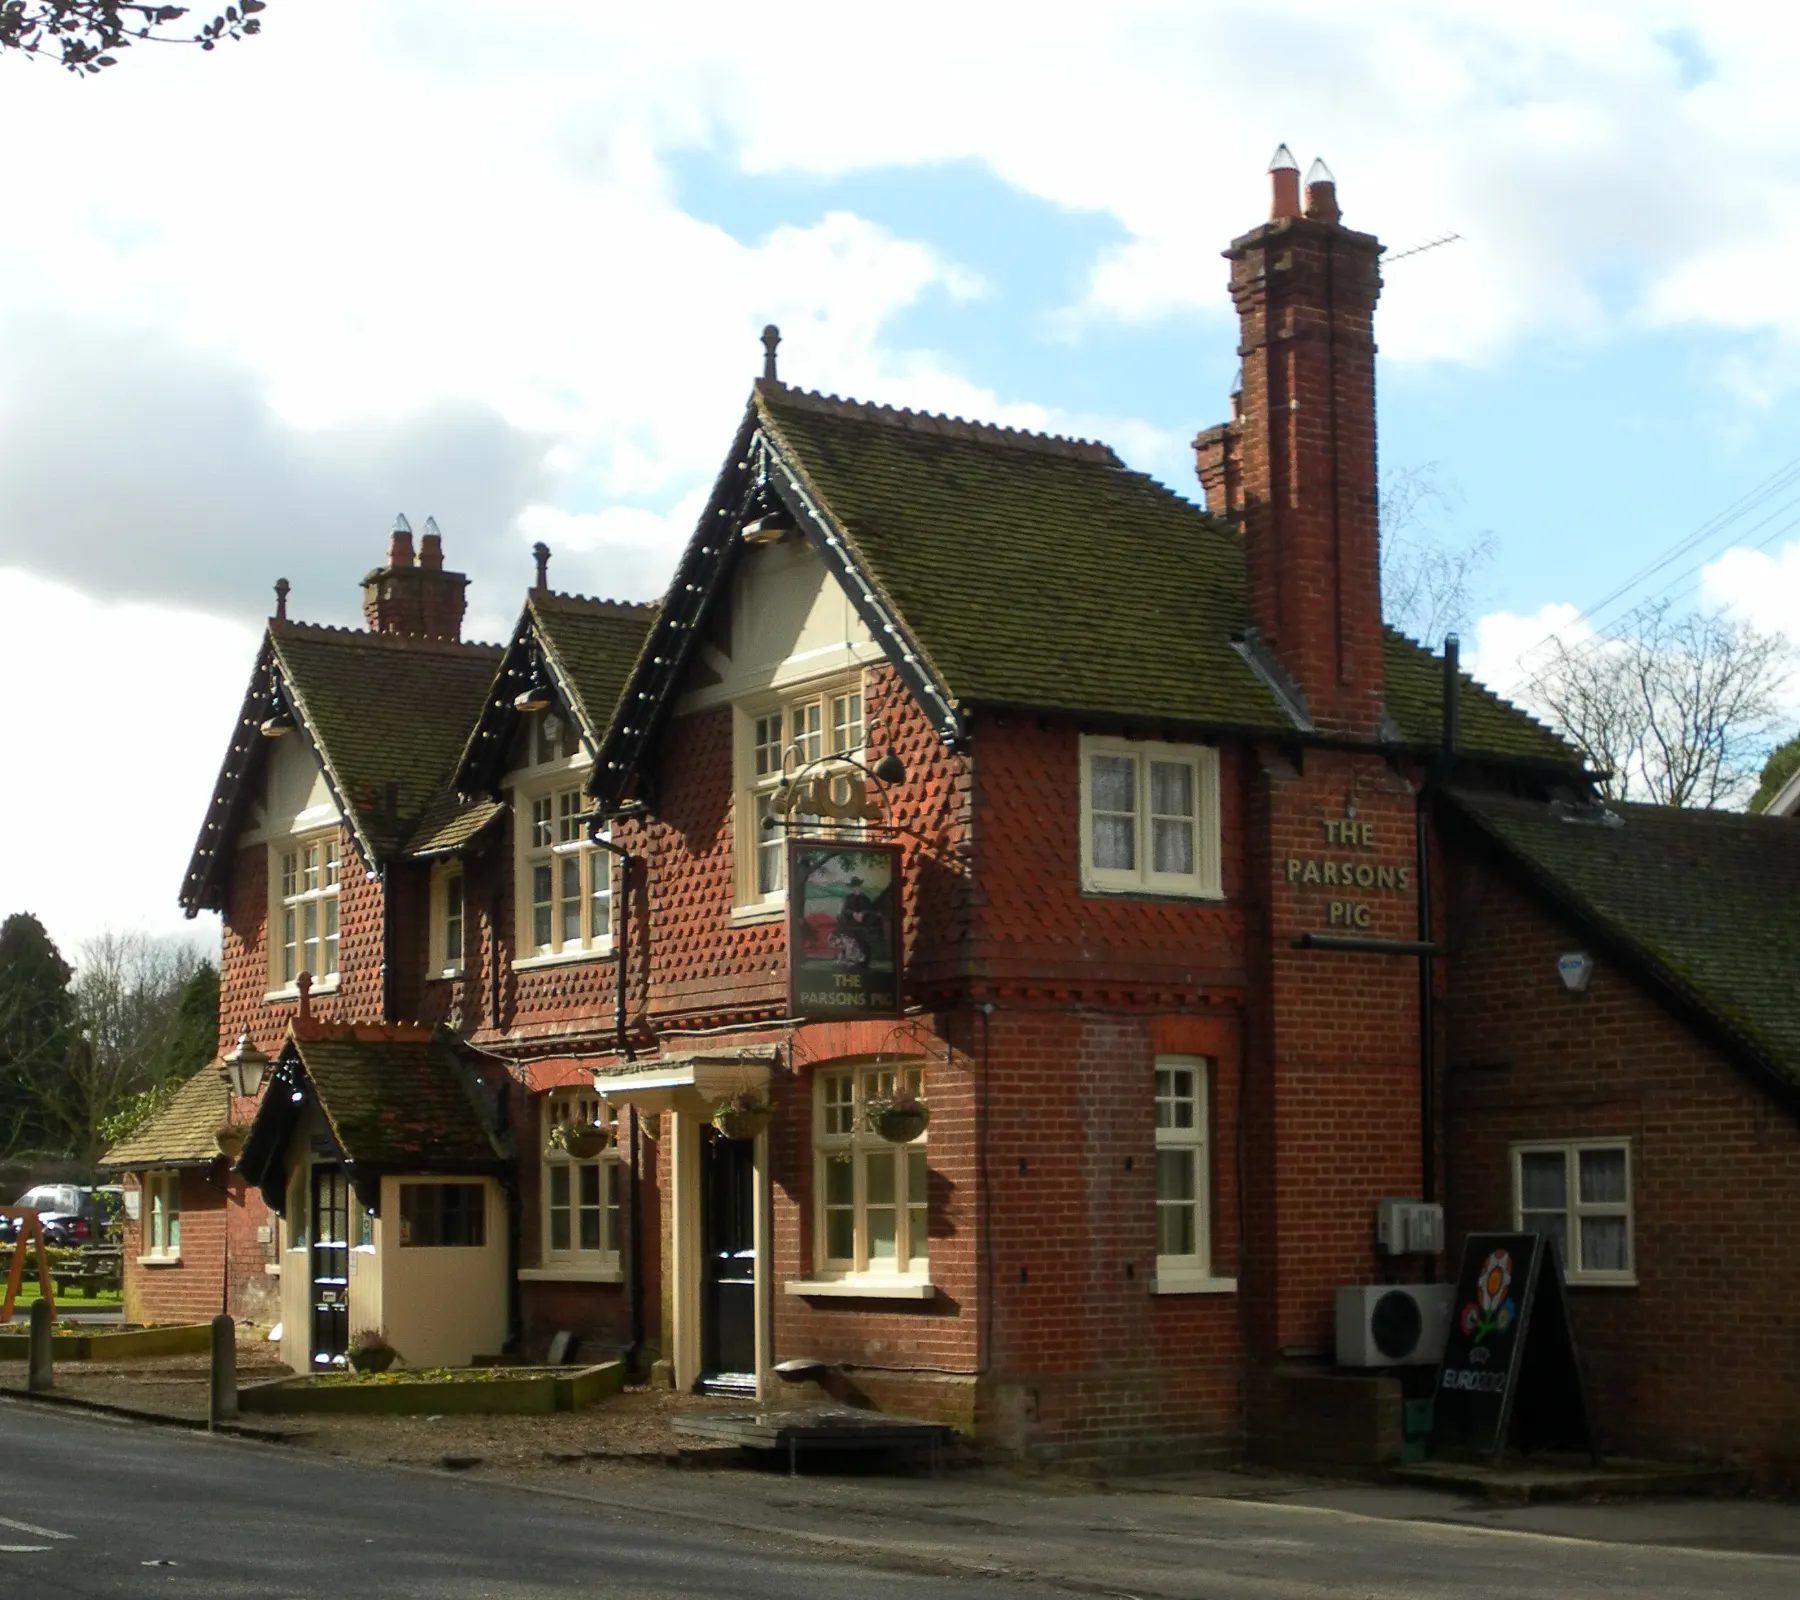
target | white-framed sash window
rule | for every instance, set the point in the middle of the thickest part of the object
(1578, 1194)
(1183, 1174)
(161, 1212)
(777, 737)
(581, 1197)
(448, 926)
(871, 1198)
(303, 914)
(1150, 817)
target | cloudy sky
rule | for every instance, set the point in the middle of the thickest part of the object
(507, 265)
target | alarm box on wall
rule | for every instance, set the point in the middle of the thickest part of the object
(1393, 1324)
(1409, 1227)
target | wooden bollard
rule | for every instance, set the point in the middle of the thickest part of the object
(222, 1399)
(40, 1379)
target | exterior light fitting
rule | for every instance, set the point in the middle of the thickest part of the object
(769, 527)
(244, 1068)
(535, 696)
(890, 769)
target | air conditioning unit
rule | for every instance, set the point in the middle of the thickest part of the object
(1409, 1228)
(1393, 1324)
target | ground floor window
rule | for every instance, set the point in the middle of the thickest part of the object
(1183, 1173)
(1579, 1195)
(581, 1191)
(162, 1214)
(435, 1215)
(872, 1206)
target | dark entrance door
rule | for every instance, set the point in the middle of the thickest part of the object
(330, 1266)
(727, 1262)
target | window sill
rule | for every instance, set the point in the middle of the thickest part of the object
(160, 1261)
(272, 1268)
(445, 973)
(1628, 1282)
(1176, 1283)
(570, 1275)
(750, 916)
(291, 992)
(1147, 891)
(863, 1288)
(562, 958)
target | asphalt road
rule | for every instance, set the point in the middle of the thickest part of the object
(94, 1508)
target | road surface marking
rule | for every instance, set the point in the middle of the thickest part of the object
(21, 1549)
(32, 1527)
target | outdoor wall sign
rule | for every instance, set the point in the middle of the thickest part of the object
(1510, 1372)
(843, 929)
(1356, 875)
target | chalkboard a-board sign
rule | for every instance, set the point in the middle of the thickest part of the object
(1510, 1373)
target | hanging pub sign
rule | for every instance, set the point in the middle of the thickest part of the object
(1510, 1373)
(843, 929)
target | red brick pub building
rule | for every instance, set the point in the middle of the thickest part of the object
(1224, 914)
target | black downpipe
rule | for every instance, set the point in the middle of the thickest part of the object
(1422, 871)
(515, 1232)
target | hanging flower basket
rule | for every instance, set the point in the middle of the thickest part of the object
(230, 1137)
(901, 1118)
(743, 1116)
(582, 1141)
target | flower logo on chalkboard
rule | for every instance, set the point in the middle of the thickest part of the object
(1493, 1309)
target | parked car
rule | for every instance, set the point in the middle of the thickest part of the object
(71, 1213)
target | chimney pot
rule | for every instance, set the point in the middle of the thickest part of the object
(1321, 193)
(1284, 184)
(400, 545)
(431, 547)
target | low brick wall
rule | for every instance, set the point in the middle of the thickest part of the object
(518, 1394)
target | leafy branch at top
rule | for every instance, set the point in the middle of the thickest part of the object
(86, 34)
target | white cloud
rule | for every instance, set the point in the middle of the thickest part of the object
(1509, 649)
(121, 712)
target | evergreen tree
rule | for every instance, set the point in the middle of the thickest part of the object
(37, 1027)
(1783, 762)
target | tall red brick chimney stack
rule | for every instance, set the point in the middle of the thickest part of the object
(1295, 467)
(415, 597)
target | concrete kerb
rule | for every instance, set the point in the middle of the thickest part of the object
(167, 1419)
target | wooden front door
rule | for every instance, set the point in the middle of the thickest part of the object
(727, 1262)
(330, 1266)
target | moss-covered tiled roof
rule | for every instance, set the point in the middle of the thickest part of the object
(398, 1098)
(1033, 571)
(1413, 680)
(1704, 902)
(181, 1135)
(449, 823)
(384, 709)
(1042, 572)
(592, 646)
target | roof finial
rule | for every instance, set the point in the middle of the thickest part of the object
(303, 984)
(281, 593)
(771, 336)
(541, 553)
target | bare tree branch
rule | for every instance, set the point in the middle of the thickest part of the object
(1680, 709)
(1427, 579)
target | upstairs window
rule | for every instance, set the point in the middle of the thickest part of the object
(447, 927)
(563, 907)
(780, 738)
(304, 916)
(1149, 818)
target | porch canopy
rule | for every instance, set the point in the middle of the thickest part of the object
(391, 1098)
(690, 1081)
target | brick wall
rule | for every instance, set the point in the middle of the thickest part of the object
(1699, 1359)
(191, 1289)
